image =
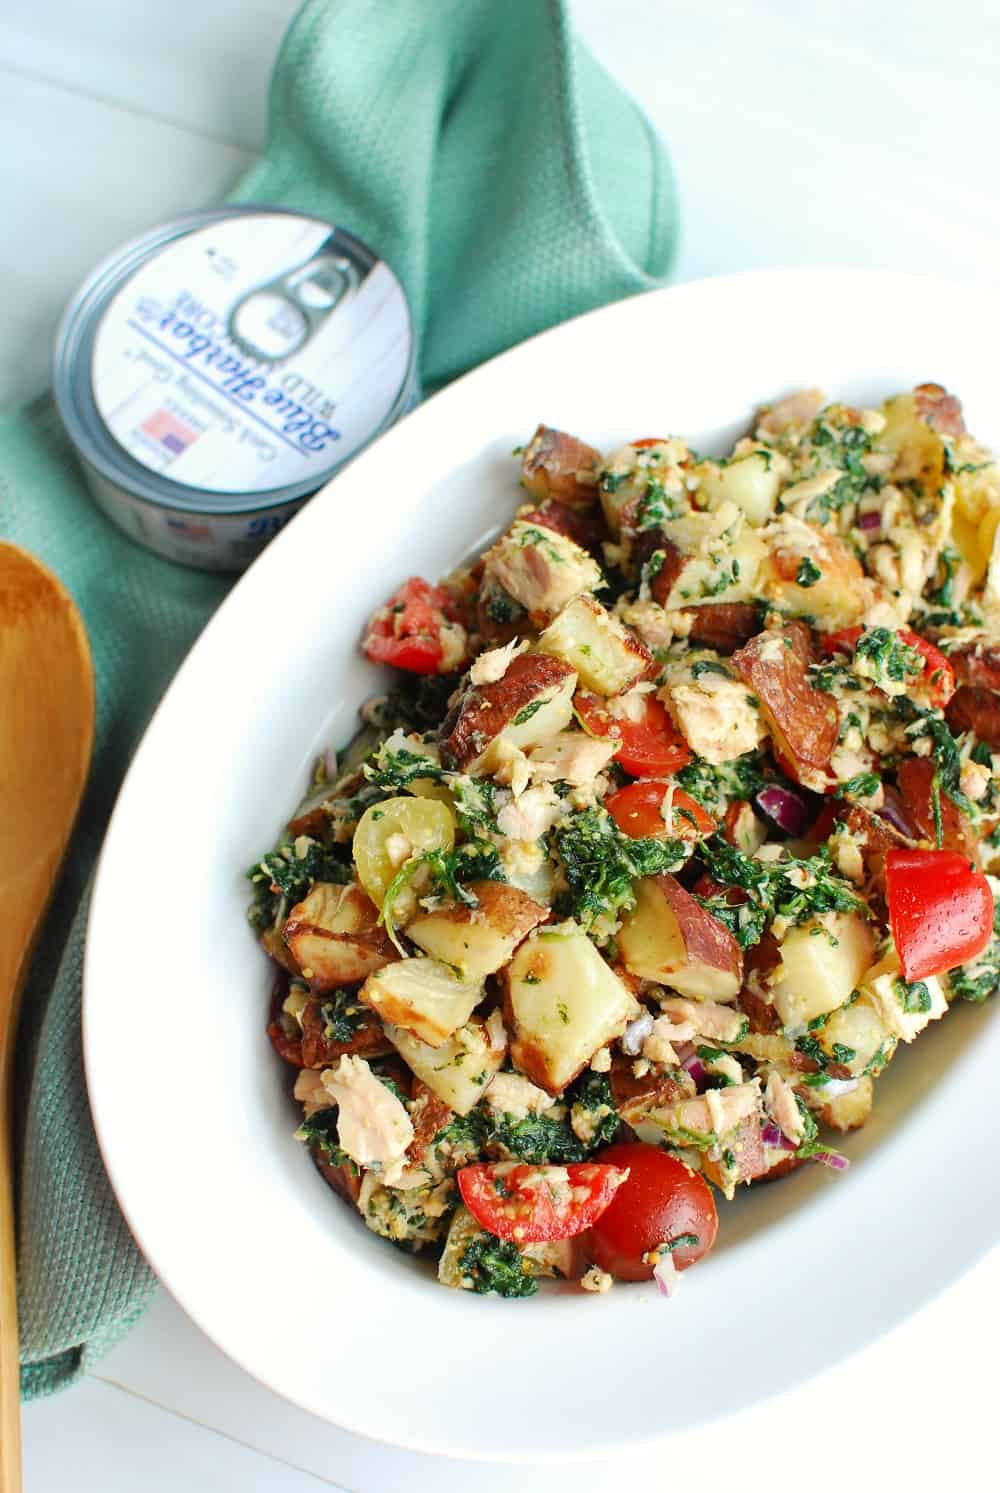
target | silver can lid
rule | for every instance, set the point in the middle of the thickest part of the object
(234, 358)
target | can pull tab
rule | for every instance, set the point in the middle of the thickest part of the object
(273, 321)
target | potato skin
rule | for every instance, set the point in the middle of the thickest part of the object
(585, 531)
(801, 718)
(975, 708)
(915, 776)
(345, 1180)
(724, 626)
(485, 710)
(670, 938)
(977, 664)
(552, 464)
(330, 959)
(319, 1051)
(650, 542)
(634, 1096)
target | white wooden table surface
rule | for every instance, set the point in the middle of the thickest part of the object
(802, 134)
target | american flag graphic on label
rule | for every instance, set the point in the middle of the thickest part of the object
(172, 434)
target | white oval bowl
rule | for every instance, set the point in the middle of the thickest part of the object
(193, 1109)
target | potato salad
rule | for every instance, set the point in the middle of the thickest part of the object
(678, 820)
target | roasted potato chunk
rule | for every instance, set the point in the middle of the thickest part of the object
(801, 719)
(557, 465)
(822, 962)
(671, 939)
(751, 482)
(460, 1070)
(533, 700)
(562, 1002)
(423, 996)
(606, 655)
(334, 937)
(807, 570)
(477, 941)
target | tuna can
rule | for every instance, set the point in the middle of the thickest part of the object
(217, 371)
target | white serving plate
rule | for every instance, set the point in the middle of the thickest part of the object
(192, 1108)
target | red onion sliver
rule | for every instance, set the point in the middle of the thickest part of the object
(772, 1136)
(832, 1159)
(870, 520)
(784, 808)
(666, 1275)
(696, 1068)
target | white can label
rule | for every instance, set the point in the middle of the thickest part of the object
(250, 355)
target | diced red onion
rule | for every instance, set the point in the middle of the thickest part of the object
(666, 1275)
(784, 808)
(871, 520)
(894, 813)
(832, 1159)
(771, 1135)
(636, 1033)
(696, 1068)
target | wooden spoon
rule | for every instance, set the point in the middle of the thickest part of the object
(46, 735)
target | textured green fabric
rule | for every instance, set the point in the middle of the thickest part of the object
(510, 184)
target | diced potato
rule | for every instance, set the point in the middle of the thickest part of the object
(334, 938)
(477, 941)
(557, 465)
(390, 832)
(751, 482)
(532, 700)
(460, 1069)
(607, 657)
(802, 720)
(822, 963)
(541, 569)
(847, 1111)
(858, 1029)
(707, 556)
(809, 571)
(671, 939)
(563, 1002)
(904, 1008)
(424, 996)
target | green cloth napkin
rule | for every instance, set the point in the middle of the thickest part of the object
(510, 184)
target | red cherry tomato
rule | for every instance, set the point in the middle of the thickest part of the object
(647, 441)
(940, 910)
(650, 747)
(661, 1200)
(526, 1204)
(637, 811)
(406, 632)
(938, 677)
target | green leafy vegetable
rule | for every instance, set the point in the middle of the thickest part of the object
(496, 1268)
(284, 877)
(601, 864)
(591, 1097)
(320, 1130)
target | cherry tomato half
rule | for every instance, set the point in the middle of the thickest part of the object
(406, 632)
(940, 910)
(637, 811)
(650, 747)
(938, 677)
(526, 1204)
(661, 1200)
(647, 441)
